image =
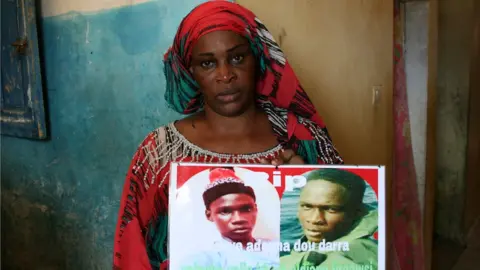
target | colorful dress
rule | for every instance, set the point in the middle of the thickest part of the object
(141, 237)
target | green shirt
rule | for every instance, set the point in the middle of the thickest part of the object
(361, 254)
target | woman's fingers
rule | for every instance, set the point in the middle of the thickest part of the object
(297, 160)
(287, 156)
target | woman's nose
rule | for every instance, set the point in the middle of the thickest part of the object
(224, 72)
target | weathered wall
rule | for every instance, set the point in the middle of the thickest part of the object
(105, 85)
(455, 39)
(57, 7)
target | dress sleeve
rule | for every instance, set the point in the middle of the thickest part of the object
(130, 250)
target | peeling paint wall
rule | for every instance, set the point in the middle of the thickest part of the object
(58, 7)
(455, 40)
(104, 87)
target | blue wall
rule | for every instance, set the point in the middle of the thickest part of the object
(105, 88)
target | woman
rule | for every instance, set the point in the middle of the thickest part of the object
(245, 105)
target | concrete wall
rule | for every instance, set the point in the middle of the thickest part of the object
(58, 7)
(455, 40)
(104, 87)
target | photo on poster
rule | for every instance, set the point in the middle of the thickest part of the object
(224, 218)
(331, 221)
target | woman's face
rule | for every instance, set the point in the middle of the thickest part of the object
(224, 68)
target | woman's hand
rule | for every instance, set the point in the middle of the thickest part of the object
(287, 156)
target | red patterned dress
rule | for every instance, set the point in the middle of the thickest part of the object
(141, 234)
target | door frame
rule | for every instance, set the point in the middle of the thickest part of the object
(472, 185)
(430, 162)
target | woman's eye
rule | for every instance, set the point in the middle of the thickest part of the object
(206, 64)
(237, 59)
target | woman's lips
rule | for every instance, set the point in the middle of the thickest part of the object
(228, 96)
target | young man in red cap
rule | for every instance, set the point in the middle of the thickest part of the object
(231, 205)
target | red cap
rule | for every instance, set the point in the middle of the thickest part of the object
(222, 176)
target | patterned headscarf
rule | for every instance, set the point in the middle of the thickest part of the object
(293, 116)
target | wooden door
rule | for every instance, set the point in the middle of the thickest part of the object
(22, 113)
(341, 50)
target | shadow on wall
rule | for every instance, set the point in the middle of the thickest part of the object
(105, 85)
(455, 42)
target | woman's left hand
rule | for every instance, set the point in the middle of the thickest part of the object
(287, 156)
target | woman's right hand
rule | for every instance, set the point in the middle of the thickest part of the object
(287, 156)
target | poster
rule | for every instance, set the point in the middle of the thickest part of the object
(288, 217)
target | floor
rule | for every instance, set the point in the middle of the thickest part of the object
(448, 255)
